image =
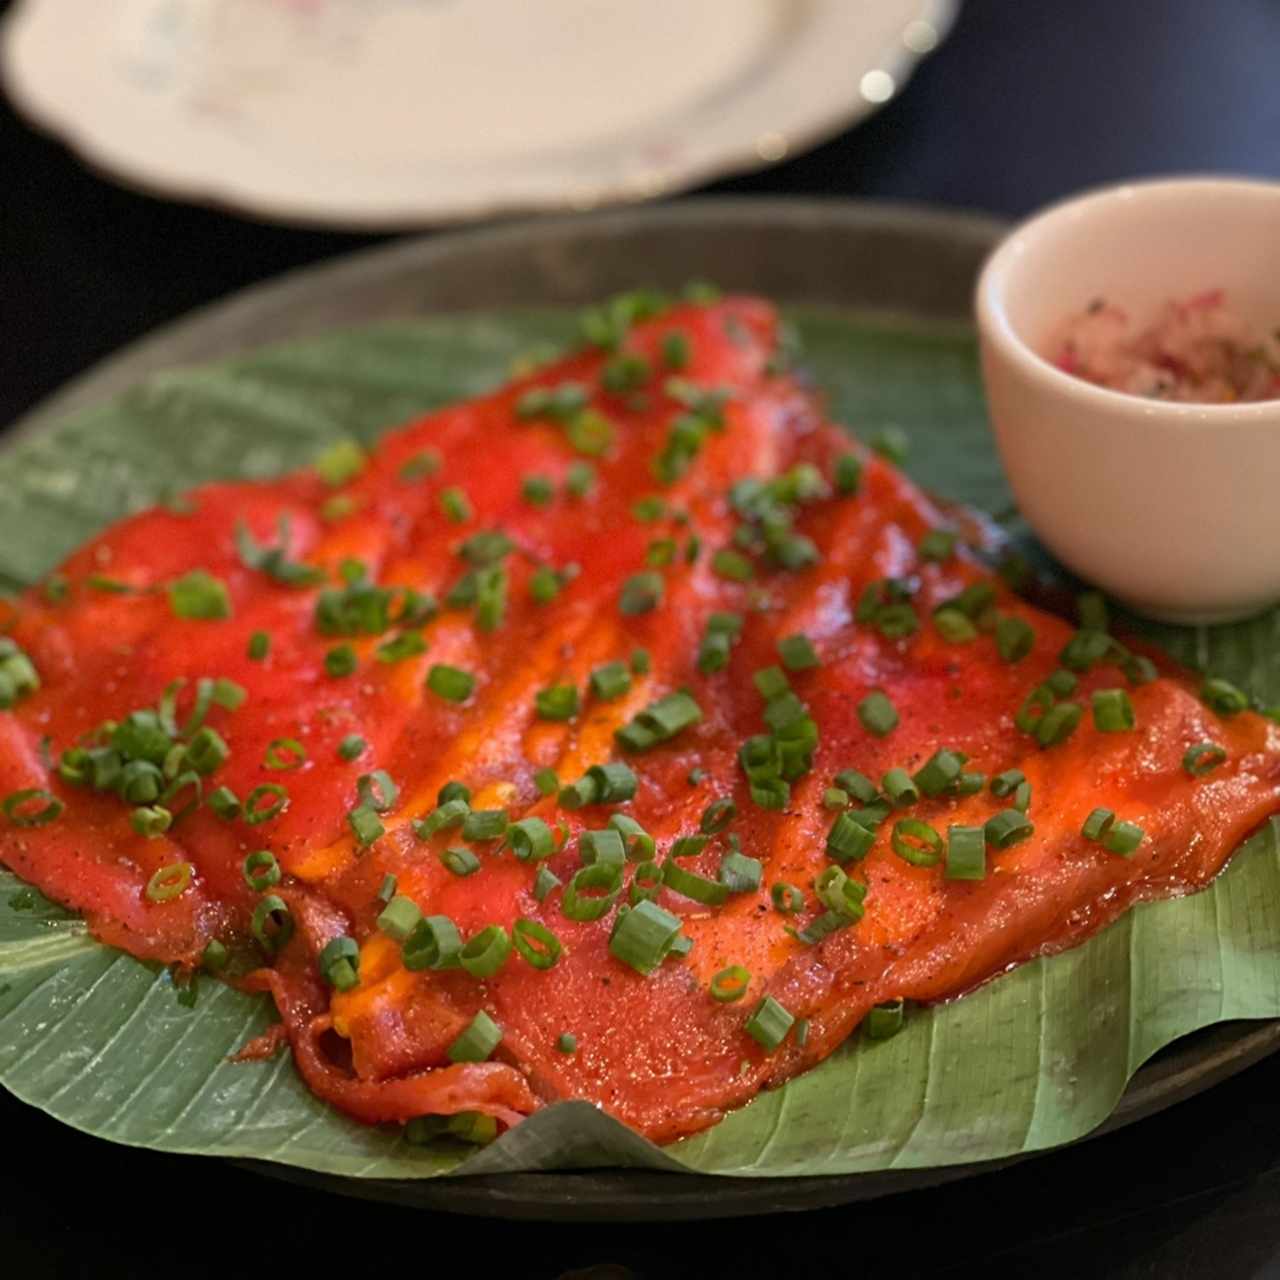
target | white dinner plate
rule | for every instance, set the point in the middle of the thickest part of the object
(378, 113)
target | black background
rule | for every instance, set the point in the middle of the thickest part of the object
(1026, 101)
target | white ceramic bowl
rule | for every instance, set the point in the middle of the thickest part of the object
(1173, 509)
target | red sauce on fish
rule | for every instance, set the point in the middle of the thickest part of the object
(655, 1050)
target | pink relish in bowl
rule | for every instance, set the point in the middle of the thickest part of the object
(1196, 351)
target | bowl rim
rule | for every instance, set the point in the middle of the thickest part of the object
(994, 326)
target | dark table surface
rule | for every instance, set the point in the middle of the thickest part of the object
(1026, 101)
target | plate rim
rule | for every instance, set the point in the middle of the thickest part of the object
(811, 123)
(1179, 1072)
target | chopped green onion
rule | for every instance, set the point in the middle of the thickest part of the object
(848, 840)
(434, 944)
(455, 505)
(479, 1040)
(834, 798)
(450, 683)
(938, 545)
(199, 595)
(19, 807)
(1006, 783)
(649, 508)
(838, 893)
(387, 890)
(966, 853)
(877, 713)
(847, 476)
(940, 772)
(556, 702)
(408, 644)
(399, 918)
(579, 479)
(611, 680)
(675, 350)
(259, 645)
(1086, 648)
(885, 1020)
(644, 936)
(1139, 669)
(339, 963)
(739, 873)
(646, 884)
(771, 682)
(659, 722)
(1203, 758)
(970, 783)
(261, 870)
(732, 565)
(730, 984)
(536, 943)
(769, 1024)
(538, 490)
(207, 751)
(1062, 683)
(858, 785)
(1007, 828)
(797, 653)
(641, 593)
(377, 791)
(591, 892)
(544, 882)
(1015, 638)
(215, 956)
(486, 952)
(1112, 710)
(365, 824)
(284, 753)
(1123, 838)
(272, 924)
(1098, 823)
(225, 803)
(1022, 797)
(602, 846)
(900, 788)
(170, 882)
(340, 661)
(352, 747)
(256, 812)
(1058, 723)
(638, 842)
(640, 661)
(973, 601)
(484, 824)
(340, 462)
(692, 885)
(567, 1042)
(916, 842)
(546, 781)
(531, 839)
(717, 815)
(954, 627)
(786, 898)
(421, 465)
(1223, 697)
(448, 815)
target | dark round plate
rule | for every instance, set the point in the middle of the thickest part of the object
(894, 258)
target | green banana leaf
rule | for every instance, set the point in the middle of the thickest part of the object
(1034, 1059)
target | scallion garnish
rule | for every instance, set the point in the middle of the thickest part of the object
(877, 713)
(885, 1020)
(1007, 828)
(485, 953)
(256, 812)
(610, 681)
(434, 944)
(641, 593)
(938, 545)
(966, 853)
(1015, 638)
(339, 963)
(940, 772)
(1203, 758)
(170, 882)
(544, 882)
(591, 891)
(199, 595)
(769, 1024)
(456, 505)
(259, 646)
(644, 936)
(730, 984)
(261, 870)
(1112, 710)
(1223, 697)
(916, 842)
(556, 702)
(536, 943)
(272, 924)
(479, 1040)
(450, 683)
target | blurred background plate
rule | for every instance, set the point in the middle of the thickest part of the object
(376, 113)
